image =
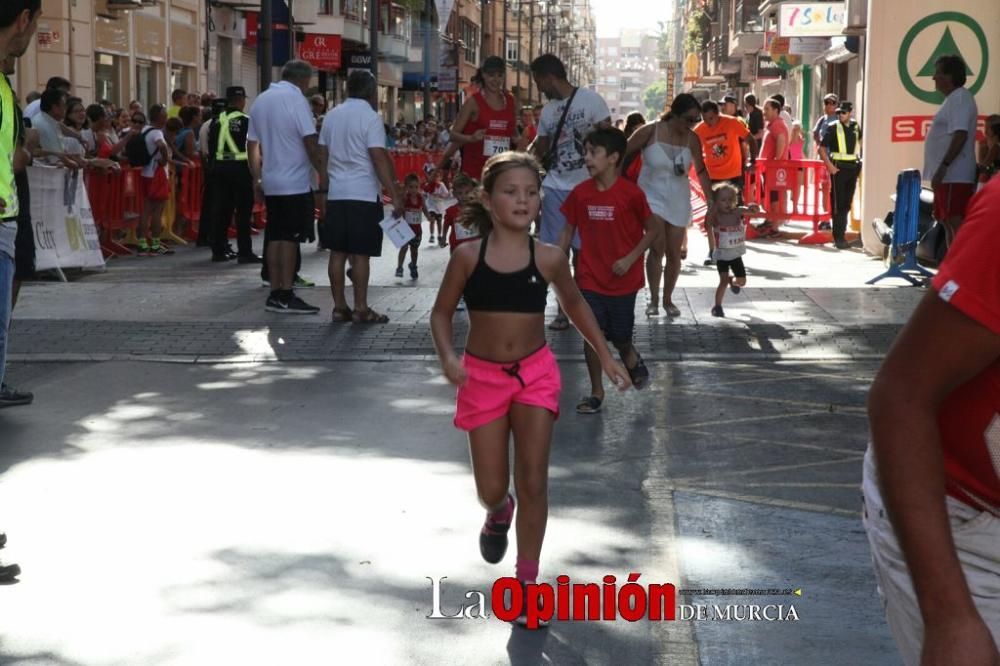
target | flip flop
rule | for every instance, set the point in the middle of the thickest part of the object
(672, 310)
(589, 405)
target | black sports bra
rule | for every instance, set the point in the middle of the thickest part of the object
(491, 291)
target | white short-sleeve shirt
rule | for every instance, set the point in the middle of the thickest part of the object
(958, 112)
(280, 119)
(588, 109)
(152, 138)
(349, 130)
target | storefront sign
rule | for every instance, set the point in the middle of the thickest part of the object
(900, 97)
(767, 68)
(321, 51)
(810, 47)
(811, 19)
(359, 60)
(253, 24)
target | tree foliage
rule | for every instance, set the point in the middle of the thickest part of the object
(655, 98)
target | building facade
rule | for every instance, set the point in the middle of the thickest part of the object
(118, 50)
(626, 66)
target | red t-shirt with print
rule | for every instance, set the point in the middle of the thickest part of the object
(610, 225)
(457, 234)
(969, 418)
(413, 209)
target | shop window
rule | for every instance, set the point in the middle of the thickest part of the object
(108, 78)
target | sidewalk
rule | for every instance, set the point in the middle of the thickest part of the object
(801, 302)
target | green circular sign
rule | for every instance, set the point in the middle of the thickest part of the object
(933, 96)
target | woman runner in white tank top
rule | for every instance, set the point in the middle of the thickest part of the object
(669, 147)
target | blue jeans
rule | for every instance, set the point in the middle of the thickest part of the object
(6, 305)
(553, 220)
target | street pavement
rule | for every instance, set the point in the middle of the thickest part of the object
(202, 482)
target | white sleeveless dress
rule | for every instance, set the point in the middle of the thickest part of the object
(669, 195)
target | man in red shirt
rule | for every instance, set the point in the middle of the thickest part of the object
(774, 147)
(616, 228)
(932, 474)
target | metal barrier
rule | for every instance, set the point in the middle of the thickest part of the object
(116, 201)
(905, 234)
(791, 190)
(413, 161)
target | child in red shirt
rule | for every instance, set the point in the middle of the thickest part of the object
(414, 208)
(616, 228)
(463, 188)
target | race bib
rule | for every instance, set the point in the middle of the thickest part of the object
(494, 145)
(414, 217)
(464, 233)
(730, 239)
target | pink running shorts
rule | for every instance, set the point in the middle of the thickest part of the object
(491, 387)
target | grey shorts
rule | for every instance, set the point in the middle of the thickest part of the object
(553, 220)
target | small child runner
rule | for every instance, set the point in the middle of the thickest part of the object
(436, 193)
(508, 380)
(616, 228)
(725, 222)
(414, 208)
(464, 188)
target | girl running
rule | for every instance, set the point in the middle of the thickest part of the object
(486, 124)
(508, 381)
(725, 220)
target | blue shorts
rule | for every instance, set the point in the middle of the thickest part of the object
(615, 315)
(553, 220)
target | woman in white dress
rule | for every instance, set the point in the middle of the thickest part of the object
(669, 147)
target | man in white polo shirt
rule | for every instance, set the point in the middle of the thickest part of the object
(353, 143)
(284, 151)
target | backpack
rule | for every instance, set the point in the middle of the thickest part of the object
(137, 152)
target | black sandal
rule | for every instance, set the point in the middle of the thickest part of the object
(342, 315)
(589, 405)
(638, 373)
(369, 317)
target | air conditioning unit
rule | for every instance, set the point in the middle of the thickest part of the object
(304, 13)
(856, 17)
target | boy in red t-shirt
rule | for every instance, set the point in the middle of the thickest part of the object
(414, 208)
(616, 228)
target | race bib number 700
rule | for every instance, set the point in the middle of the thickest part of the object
(494, 145)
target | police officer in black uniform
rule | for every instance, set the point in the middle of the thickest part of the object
(231, 178)
(841, 151)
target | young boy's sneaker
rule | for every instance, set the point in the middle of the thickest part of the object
(717, 311)
(9, 572)
(399, 272)
(413, 272)
(11, 397)
(709, 261)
